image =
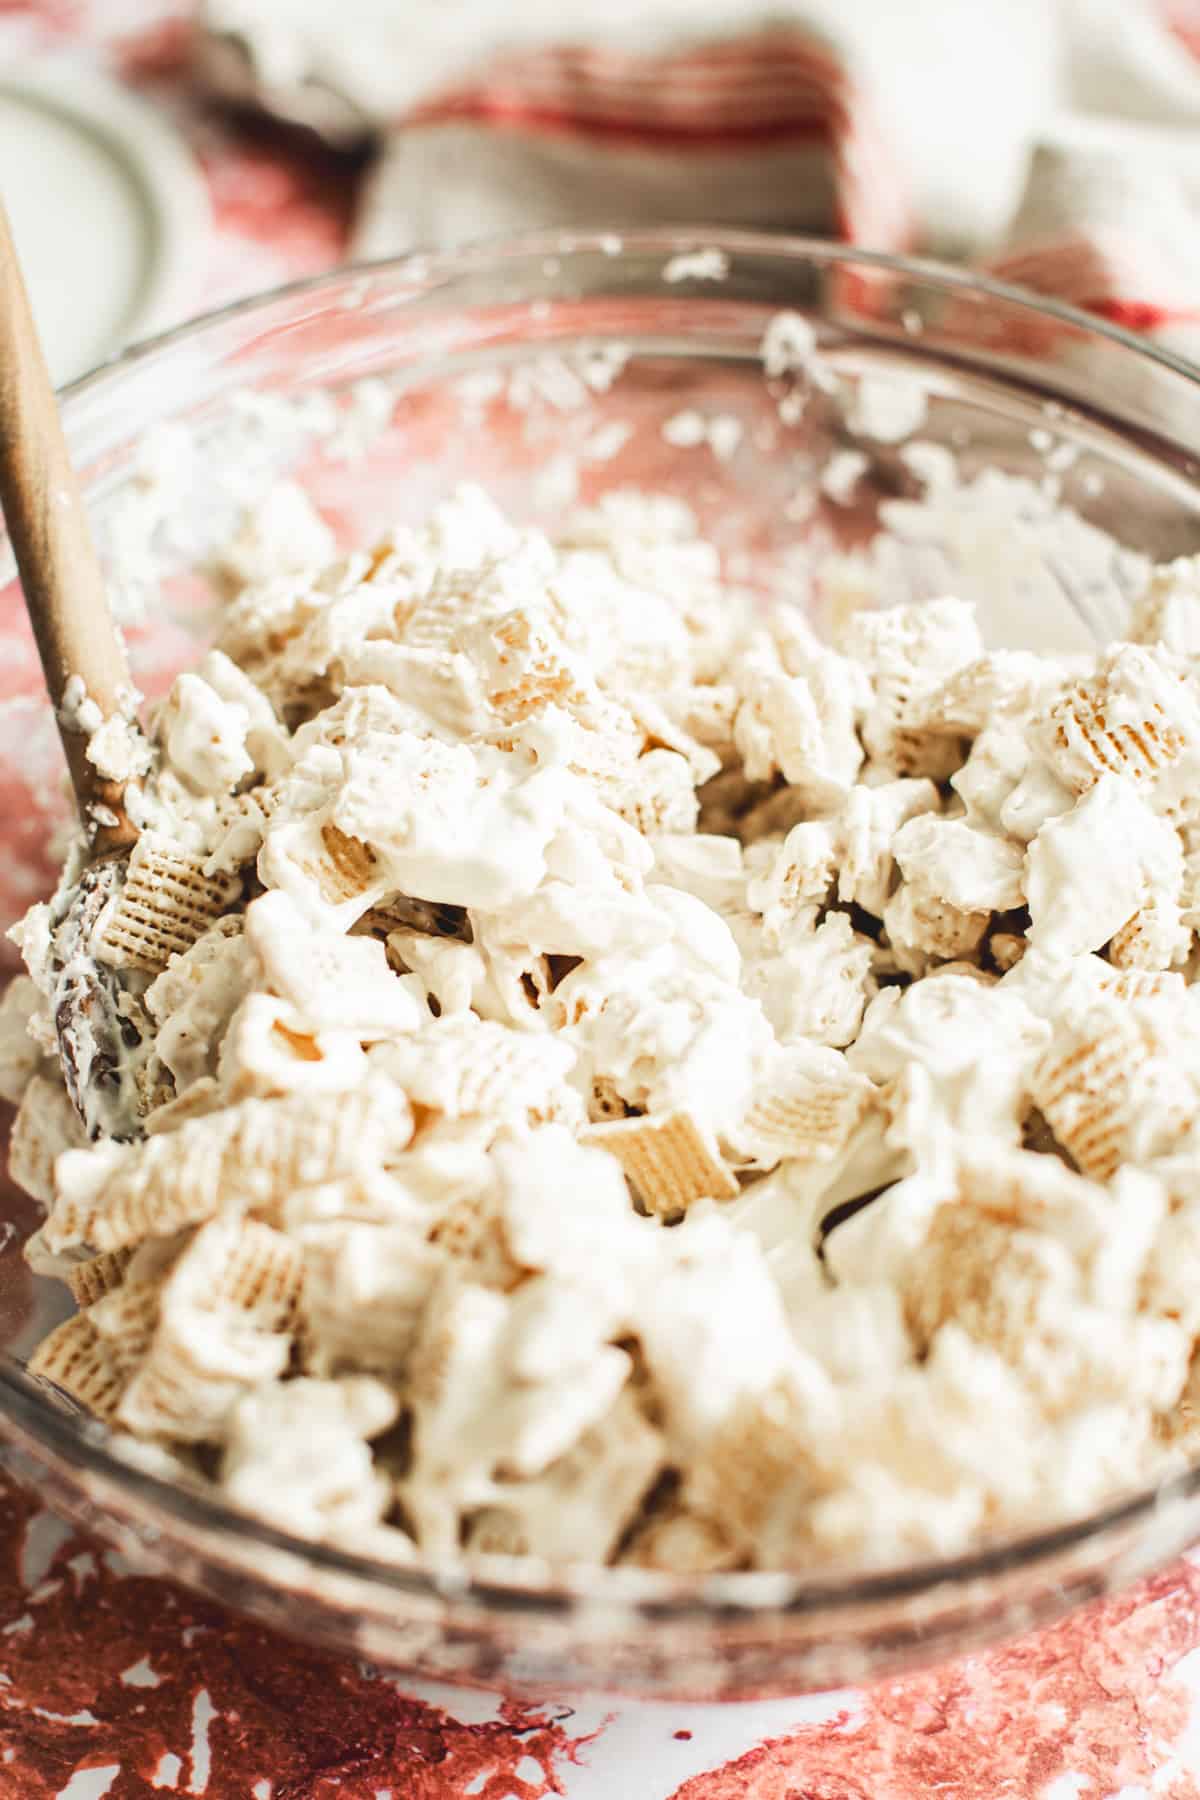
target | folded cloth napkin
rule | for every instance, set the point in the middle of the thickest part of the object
(1053, 142)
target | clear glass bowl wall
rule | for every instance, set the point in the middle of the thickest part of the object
(545, 369)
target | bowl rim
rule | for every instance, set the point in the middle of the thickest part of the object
(529, 1587)
(429, 267)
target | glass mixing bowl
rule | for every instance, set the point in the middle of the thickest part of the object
(547, 369)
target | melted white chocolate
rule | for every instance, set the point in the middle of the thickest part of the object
(606, 1038)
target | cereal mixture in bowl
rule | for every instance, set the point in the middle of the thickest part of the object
(579, 1067)
(576, 1065)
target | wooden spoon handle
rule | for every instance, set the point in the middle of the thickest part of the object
(60, 574)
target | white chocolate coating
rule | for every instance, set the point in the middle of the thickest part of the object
(593, 949)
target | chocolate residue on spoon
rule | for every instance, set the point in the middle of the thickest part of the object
(104, 1034)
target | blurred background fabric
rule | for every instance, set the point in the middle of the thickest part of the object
(1052, 142)
(265, 206)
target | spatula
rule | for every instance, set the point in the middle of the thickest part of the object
(60, 574)
(99, 1037)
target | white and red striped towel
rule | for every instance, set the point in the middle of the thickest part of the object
(1054, 142)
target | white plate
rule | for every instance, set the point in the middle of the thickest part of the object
(108, 210)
